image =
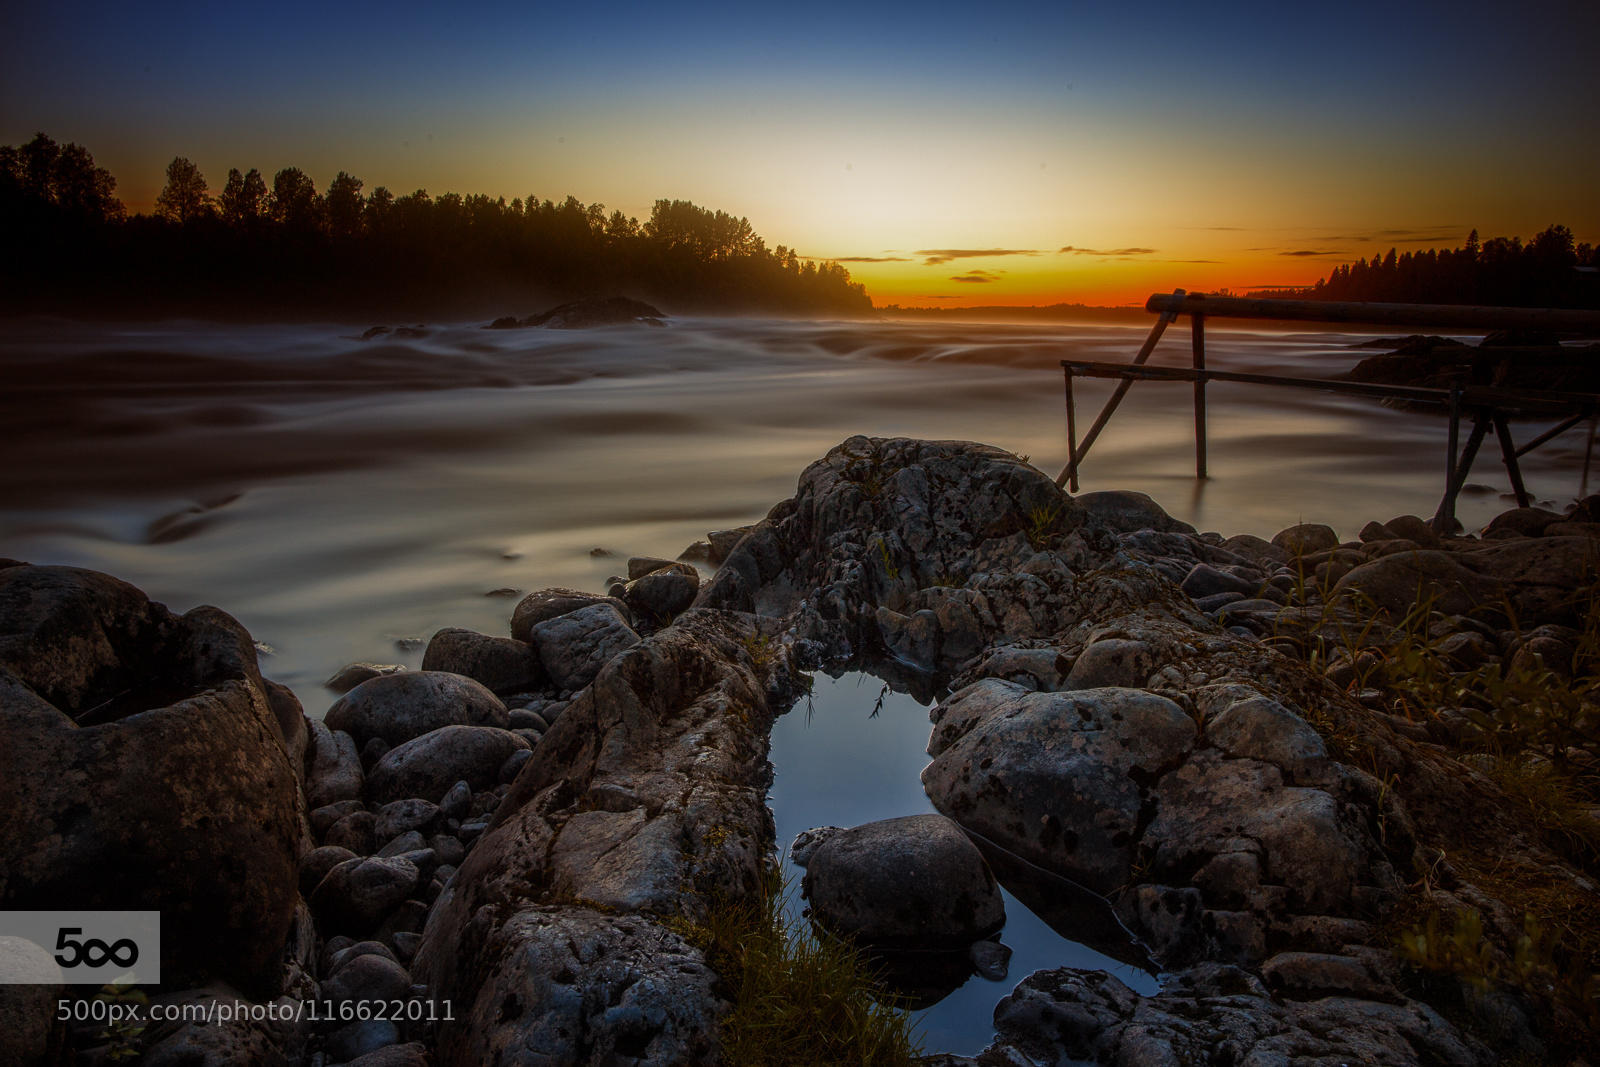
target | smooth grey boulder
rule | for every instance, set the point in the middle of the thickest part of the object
(351, 675)
(639, 566)
(546, 604)
(355, 895)
(1060, 779)
(1306, 538)
(428, 766)
(335, 773)
(355, 832)
(1111, 661)
(500, 664)
(398, 816)
(912, 882)
(400, 707)
(367, 976)
(411, 1054)
(576, 645)
(1204, 580)
(1126, 511)
(662, 594)
(1399, 582)
(1262, 728)
(315, 865)
(144, 744)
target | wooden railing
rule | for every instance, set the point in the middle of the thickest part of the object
(1491, 408)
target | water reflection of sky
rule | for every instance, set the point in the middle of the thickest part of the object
(837, 765)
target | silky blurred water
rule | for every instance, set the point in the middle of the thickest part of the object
(337, 495)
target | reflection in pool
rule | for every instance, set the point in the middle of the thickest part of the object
(836, 763)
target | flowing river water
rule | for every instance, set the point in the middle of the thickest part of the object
(344, 498)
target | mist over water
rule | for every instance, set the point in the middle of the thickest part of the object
(337, 495)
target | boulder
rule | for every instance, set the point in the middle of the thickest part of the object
(1399, 582)
(1214, 1013)
(400, 707)
(576, 645)
(355, 895)
(1306, 538)
(662, 594)
(1059, 779)
(912, 882)
(335, 774)
(500, 664)
(351, 675)
(366, 977)
(143, 743)
(429, 765)
(1125, 511)
(549, 604)
(574, 985)
(1111, 661)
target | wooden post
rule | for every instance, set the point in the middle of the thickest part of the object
(1197, 332)
(1072, 435)
(1458, 478)
(1071, 469)
(1508, 452)
(1444, 519)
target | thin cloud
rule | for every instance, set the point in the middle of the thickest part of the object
(934, 257)
(977, 277)
(1073, 250)
(869, 259)
(1303, 252)
(1191, 261)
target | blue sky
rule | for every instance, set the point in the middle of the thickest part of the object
(868, 130)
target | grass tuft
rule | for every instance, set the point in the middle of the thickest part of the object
(797, 998)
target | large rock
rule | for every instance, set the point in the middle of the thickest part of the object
(576, 645)
(1126, 511)
(546, 604)
(334, 775)
(400, 707)
(143, 766)
(1215, 1014)
(913, 882)
(355, 895)
(1399, 582)
(500, 664)
(429, 765)
(660, 595)
(1060, 779)
(573, 986)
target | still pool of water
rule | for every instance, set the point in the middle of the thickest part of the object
(837, 763)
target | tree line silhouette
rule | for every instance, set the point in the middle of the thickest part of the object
(251, 248)
(1551, 270)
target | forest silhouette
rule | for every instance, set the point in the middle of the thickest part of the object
(1551, 270)
(254, 250)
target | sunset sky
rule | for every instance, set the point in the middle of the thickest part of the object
(947, 154)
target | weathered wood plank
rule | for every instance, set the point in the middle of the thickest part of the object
(1436, 316)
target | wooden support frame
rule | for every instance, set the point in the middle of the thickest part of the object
(1490, 407)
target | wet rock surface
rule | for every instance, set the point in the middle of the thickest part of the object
(911, 882)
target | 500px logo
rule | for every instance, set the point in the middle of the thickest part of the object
(80, 947)
(94, 952)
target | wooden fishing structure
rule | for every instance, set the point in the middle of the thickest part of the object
(1490, 408)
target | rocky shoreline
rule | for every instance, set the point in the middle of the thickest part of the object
(536, 829)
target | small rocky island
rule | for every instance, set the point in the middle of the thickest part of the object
(1312, 781)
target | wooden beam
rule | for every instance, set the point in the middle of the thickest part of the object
(1438, 316)
(1070, 471)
